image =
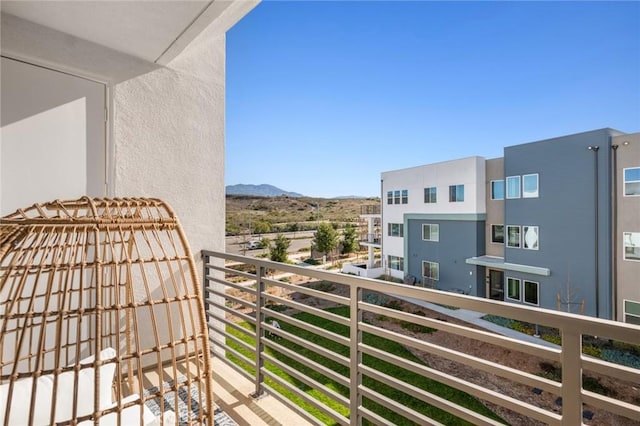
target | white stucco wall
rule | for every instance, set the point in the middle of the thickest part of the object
(168, 138)
(469, 172)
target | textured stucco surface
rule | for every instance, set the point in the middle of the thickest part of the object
(169, 139)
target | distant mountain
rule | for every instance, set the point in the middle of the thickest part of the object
(263, 190)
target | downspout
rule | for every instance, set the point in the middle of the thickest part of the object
(614, 234)
(595, 210)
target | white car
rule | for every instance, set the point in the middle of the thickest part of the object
(252, 244)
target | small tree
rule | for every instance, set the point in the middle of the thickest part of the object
(278, 251)
(349, 239)
(261, 227)
(325, 238)
(265, 243)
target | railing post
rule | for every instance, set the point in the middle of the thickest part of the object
(355, 375)
(260, 288)
(571, 377)
(205, 294)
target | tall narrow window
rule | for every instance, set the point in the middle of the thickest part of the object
(396, 263)
(430, 195)
(513, 236)
(631, 245)
(632, 181)
(395, 229)
(456, 193)
(530, 237)
(530, 186)
(390, 197)
(431, 232)
(513, 187)
(531, 295)
(405, 196)
(513, 289)
(396, 197)
(497, 190)
(430, 271)
(497, 234)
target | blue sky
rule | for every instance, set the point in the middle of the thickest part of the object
(324, 96)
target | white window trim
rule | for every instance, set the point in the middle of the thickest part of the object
(537, 194)
(524, 298)
(506, 187)
(503, 189)
(506, 236)
(624, 246)
(430, 225)
(624, 309)
(434, 263)
(520, 288)
(491, 233)
(523, 237)
(624, 182)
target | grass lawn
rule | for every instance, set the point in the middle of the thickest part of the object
(389, 346)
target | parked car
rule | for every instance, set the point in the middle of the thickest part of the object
(253, 244)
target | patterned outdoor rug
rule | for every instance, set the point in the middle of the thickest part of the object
(186, 406)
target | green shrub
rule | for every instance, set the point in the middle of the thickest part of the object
(592, 351)
(552, 338)
(621, 357)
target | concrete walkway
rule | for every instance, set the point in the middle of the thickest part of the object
(476, 319)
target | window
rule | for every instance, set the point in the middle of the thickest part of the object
(390, 197)
(632, 312)
(513, 187)
(430, 271)
(405, 196)
(497, 234)
(632, 181)
(531, 292)
(396, 230)
(513, 236)
(456, 193)
(430, 195)
(530, 239)
(530, 186)
(513, 289)
(396, 263)
(396, 197)
(631, 245)
(430, 232)
(497, 190)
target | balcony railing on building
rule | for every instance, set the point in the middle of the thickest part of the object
(371, 239)
(370, 209)
(322, 340)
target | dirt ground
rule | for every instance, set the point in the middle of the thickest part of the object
(517, 360)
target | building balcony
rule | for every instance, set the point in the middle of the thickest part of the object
(370, 210)
(339, 349)
(371, 239)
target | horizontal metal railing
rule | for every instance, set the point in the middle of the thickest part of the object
(371, 238)
(261, 348)
(370, 209)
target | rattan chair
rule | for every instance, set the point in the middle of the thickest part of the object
(101, 317)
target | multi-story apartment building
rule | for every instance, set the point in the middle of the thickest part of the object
(554, 223)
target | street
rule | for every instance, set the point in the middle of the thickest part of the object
(236, 244)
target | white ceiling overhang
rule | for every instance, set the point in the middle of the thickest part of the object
(151, 30)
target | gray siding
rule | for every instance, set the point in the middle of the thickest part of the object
(458, 241)
(566, 217)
